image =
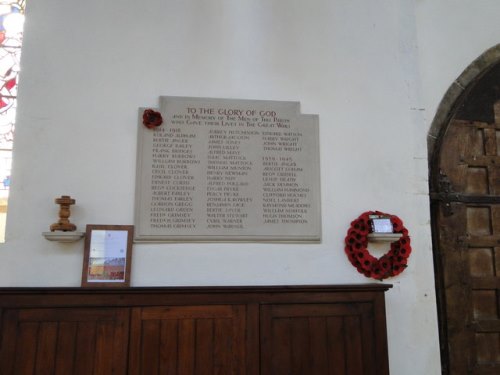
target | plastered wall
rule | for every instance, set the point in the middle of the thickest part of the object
(374, 80)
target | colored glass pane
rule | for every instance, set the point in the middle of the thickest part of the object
(11, 35)
(11, 25)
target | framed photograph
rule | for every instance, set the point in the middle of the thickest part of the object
(107, 255)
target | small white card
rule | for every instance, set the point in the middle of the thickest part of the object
(382, 225)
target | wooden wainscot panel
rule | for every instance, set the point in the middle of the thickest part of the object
(188, 340)
(318, 339)
(325, 329)
(64, 341)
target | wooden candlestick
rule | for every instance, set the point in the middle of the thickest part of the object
(64, 213)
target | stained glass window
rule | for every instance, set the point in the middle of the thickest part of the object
(11, 35)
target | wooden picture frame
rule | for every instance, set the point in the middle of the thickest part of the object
(107, 255)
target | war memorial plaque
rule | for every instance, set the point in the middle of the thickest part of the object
(228, 170)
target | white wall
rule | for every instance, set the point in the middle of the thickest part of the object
(451, 35)
(89, 65)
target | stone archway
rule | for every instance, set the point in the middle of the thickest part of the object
(454, 96)
(464, 155)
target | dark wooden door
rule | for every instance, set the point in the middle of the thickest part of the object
(466, 205)
(184, 340)
(64, 341)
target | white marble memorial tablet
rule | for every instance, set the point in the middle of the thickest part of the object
(228, 170)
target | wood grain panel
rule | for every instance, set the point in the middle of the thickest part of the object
(488, 347)
(477, 181)
(46, 349)
(26, 345)
(485, 304)
(168, 346)
(204, 346)
(343, 339)
(186, 346)
(66, 347)
(85, 352)
(45, 343)
(497, 136)
(336, 346)
(494, 180)
(369, 350)
(481, 161)
(481, 262)
(486, 326)
(187, 312)
(189, 340)
(318, 344)
(476, 143)
(280, 352)
(489, 369)
(150, 347)
(103, 347)
(490, 141)
(483, 241)
(300, 346)
(479, 221)
(208, 330)
(223, 350)
(354, 352)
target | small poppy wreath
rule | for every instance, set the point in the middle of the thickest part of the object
(391, 263)
(151, 119)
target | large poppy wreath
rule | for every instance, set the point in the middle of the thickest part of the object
(391, 263)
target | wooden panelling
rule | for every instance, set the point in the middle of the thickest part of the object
(481, 262)
(318, 339)
(478, 221)
(64, 341)
(189, 340)
(485, 304)
(477, 181)
(217, 331)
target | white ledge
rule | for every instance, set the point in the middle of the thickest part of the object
(63, 236)
(384, 237)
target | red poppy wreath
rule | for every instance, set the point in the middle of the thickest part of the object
(391, 263)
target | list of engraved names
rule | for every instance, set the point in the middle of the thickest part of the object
(171, 181)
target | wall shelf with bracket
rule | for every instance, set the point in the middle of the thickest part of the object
(63, 236)
(384, 237)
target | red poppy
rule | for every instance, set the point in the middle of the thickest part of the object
(151, 119)
(397, 224)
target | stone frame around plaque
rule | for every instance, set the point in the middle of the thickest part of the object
(228, 170)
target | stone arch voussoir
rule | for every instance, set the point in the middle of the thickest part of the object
(454, 96)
